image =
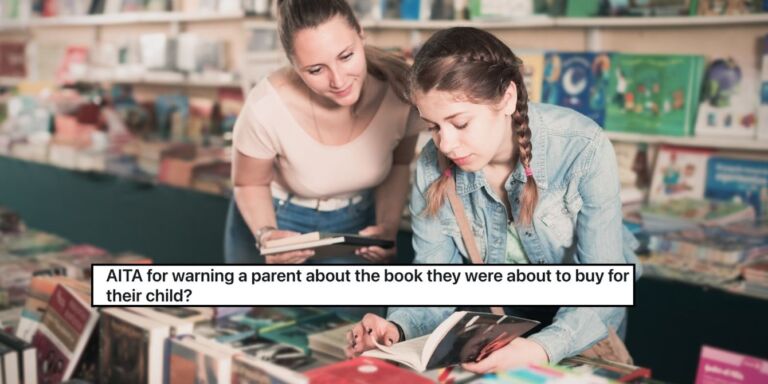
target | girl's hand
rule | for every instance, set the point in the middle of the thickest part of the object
(377, 254)
(520, 351)
(372, 327)
(294, 257)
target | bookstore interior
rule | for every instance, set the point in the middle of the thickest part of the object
(116, 130)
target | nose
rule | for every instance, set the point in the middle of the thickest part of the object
(447, 140)
(335, 77)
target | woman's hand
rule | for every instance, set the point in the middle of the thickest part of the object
(520, 351)
(294, 257)
(377, 254)
(372, 327)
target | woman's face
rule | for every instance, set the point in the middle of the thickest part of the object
(331, 61)
(470, 134)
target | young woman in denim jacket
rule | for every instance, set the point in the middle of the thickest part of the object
(538, 182)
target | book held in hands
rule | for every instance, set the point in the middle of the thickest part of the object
(325, 244)
(461, 338)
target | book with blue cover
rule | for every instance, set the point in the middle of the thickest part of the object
(745, 179)
(577, 80)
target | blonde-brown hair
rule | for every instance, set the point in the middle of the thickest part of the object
(295, 15)
(479, 66)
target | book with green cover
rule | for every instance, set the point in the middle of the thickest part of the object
(654, 94)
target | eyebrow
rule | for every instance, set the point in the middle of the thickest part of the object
(347, 48)
(445, 118)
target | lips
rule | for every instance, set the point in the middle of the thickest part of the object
(343, 92)
(461, 160)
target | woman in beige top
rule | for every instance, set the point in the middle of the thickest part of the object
(325, 144)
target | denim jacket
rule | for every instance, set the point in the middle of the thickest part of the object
(577, 220)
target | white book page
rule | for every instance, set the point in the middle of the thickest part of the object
(407, 352)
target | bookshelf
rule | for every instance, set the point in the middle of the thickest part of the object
(699, 142)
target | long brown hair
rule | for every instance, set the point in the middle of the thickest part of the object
(295, 15)
(479, 66)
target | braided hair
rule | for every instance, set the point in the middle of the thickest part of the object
(481, 67)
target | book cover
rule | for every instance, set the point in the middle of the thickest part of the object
(653, 94)
(744, 179)
(363, 370)
(264, 349)
(131, 348)
(9, 365)
(718, 366)
(193, 362)
(679, 173)
(577, 80)
(462, 337)
(728, 101)
(533, 73)
(63, 334)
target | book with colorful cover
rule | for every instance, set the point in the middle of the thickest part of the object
(719, 366)
(744, 179)
(679, 173)
(653, 94)
(732, 244)
(63, 334)
(577, 80)
(363, 370)
(728, 106)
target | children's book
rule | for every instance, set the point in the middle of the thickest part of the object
(461, 338)
(653, 94)
(325, 244)
(577, 80)
(744, 179)
(728, 105)
(679, 173)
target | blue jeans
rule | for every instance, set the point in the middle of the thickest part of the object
(239, 243)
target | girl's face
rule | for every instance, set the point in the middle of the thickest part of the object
(331, 61)
(471, 135)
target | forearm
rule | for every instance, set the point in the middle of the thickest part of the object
(390, 197)
(255, 204)
(575, 329)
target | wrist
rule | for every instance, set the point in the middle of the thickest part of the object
(261, 233)
(400, 332)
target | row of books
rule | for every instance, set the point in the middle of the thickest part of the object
(655, 94)
(27, 9)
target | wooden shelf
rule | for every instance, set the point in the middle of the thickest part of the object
(170, 82)
(535, 21)
(131, 18)
(682, 21)
(698, 142)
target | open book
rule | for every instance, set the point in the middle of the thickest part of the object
(324, 244)
(463, 337)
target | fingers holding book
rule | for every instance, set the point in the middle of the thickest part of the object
(293, 257)
(371, 332)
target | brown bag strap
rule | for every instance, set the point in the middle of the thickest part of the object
(467, 236)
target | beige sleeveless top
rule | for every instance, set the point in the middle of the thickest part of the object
(266, 129)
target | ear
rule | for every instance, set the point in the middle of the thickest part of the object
(509, 102)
